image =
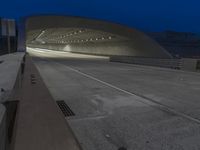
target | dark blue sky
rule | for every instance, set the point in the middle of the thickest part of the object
(147, 15)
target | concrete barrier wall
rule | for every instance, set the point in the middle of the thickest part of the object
(10, 80)
(9, 71)
(3, 129)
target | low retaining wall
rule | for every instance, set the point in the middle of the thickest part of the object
(166, 63)
(3, 129)
(182, 64)
(11, 75)
(9, 69)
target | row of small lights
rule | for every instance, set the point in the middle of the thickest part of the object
(87, 40)
(69, 34)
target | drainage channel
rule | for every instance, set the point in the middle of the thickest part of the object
(65, 108)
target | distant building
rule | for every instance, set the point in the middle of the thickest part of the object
(179, 44)
(8, 36)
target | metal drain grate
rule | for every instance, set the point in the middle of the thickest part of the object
(65, 108)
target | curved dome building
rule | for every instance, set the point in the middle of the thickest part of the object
(83, 35)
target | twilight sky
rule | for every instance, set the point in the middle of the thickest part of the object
(147, 15)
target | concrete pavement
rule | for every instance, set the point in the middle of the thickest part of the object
(123, 105)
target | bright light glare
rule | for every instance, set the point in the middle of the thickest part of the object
(38, 52)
